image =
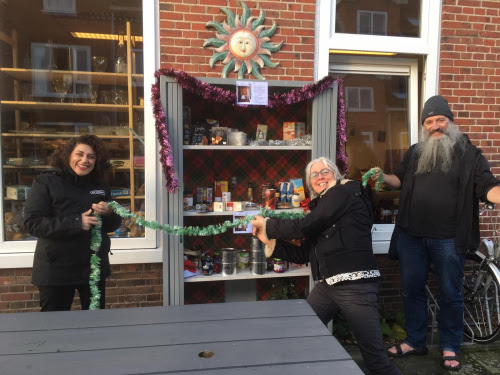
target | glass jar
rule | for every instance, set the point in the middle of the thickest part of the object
(279, 265)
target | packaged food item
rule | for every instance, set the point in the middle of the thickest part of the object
(271, 199)
(288, 131)
(279, 265)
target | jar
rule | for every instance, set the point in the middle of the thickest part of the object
(243, 258)
(296, 200)
(207, 265)
(279, 265)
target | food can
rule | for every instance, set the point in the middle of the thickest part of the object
(257, 256)
(270, 199)
(228, 269)
(258, 268)
(255, 244)
(228, 255)
(243, 258)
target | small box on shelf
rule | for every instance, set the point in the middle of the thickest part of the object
(18, 192)
(120, 192)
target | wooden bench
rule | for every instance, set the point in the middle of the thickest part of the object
(271, 337)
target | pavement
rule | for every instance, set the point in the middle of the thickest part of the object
(476, 359)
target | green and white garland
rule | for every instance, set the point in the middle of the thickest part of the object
(372, 172)
(211, 230)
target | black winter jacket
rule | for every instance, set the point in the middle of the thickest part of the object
(54, 210)
(476, 180)
(337, 233)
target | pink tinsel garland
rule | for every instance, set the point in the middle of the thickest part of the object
(219, 95)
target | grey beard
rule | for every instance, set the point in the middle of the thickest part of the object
(436, 155)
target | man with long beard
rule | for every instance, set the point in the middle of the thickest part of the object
(442, 178)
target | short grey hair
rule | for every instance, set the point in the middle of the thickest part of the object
(329, 165)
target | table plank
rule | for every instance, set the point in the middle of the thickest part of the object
(182, 358)
(165, 334)
(152, 315)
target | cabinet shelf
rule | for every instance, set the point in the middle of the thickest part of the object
(230, 213)
(249, 148)
(37, 106)
(94, 77)
(246, 274)
(53, 135)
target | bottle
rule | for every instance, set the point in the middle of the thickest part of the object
(121, 55)
(250, 192)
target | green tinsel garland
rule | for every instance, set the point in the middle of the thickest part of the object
(95, 262)
(201, 231)
(95, 242)
(372, 172)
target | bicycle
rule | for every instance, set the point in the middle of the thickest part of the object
(480, 289)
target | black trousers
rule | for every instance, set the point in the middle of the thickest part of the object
(359, 304)
(60, 298)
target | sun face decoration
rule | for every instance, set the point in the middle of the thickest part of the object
(242, 45)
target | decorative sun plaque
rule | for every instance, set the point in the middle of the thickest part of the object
(242, 44)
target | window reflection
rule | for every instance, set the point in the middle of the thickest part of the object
(69, 68)
(378, 17)
(377, 131)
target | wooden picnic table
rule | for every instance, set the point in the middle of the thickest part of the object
(270, 337)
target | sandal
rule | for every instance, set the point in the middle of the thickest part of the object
(451, 358)
(399, 352)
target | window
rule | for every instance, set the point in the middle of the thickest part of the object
(372, 23)
(359, 99)
(65, 76)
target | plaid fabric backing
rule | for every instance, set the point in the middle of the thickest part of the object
(203, 167)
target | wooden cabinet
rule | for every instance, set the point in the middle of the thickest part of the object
(35, 120)
(202, 165)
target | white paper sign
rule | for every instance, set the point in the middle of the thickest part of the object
(249, 92)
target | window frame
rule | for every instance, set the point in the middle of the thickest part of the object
(148, 249)
(359, 108)
(371, 14)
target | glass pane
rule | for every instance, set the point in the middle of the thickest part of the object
(70, 68)
(378, 17)
(377, 137)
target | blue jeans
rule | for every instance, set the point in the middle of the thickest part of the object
(415, 257)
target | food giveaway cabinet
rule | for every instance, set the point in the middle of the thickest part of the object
(236, 149)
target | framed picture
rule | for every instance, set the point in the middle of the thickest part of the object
(261, 134)
(241, 215)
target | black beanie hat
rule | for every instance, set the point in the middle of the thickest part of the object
(434, 106)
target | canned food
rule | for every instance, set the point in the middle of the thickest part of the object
(243, 259)
(270, 199)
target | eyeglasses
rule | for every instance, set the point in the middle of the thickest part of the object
(323, 172)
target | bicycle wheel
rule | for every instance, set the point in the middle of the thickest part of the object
(481, 309)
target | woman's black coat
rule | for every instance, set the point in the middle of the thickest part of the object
(54, 210)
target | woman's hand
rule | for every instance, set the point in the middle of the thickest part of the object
(101, 209)
(258, 228)
(88, 219)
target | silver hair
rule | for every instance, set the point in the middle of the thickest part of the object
(329, 165)
(437, 154)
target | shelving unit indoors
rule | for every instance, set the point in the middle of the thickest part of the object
(37, 115)
(199, 166)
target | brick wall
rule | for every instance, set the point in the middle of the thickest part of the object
(182, 34)
(469, 74)
(131, 285)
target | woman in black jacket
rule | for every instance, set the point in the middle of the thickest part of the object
(338, 245)
(60, 212)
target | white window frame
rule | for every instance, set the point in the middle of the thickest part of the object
(148, 249)
(340, 65)
(371, 14)
(427, 44)
(359, 108)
